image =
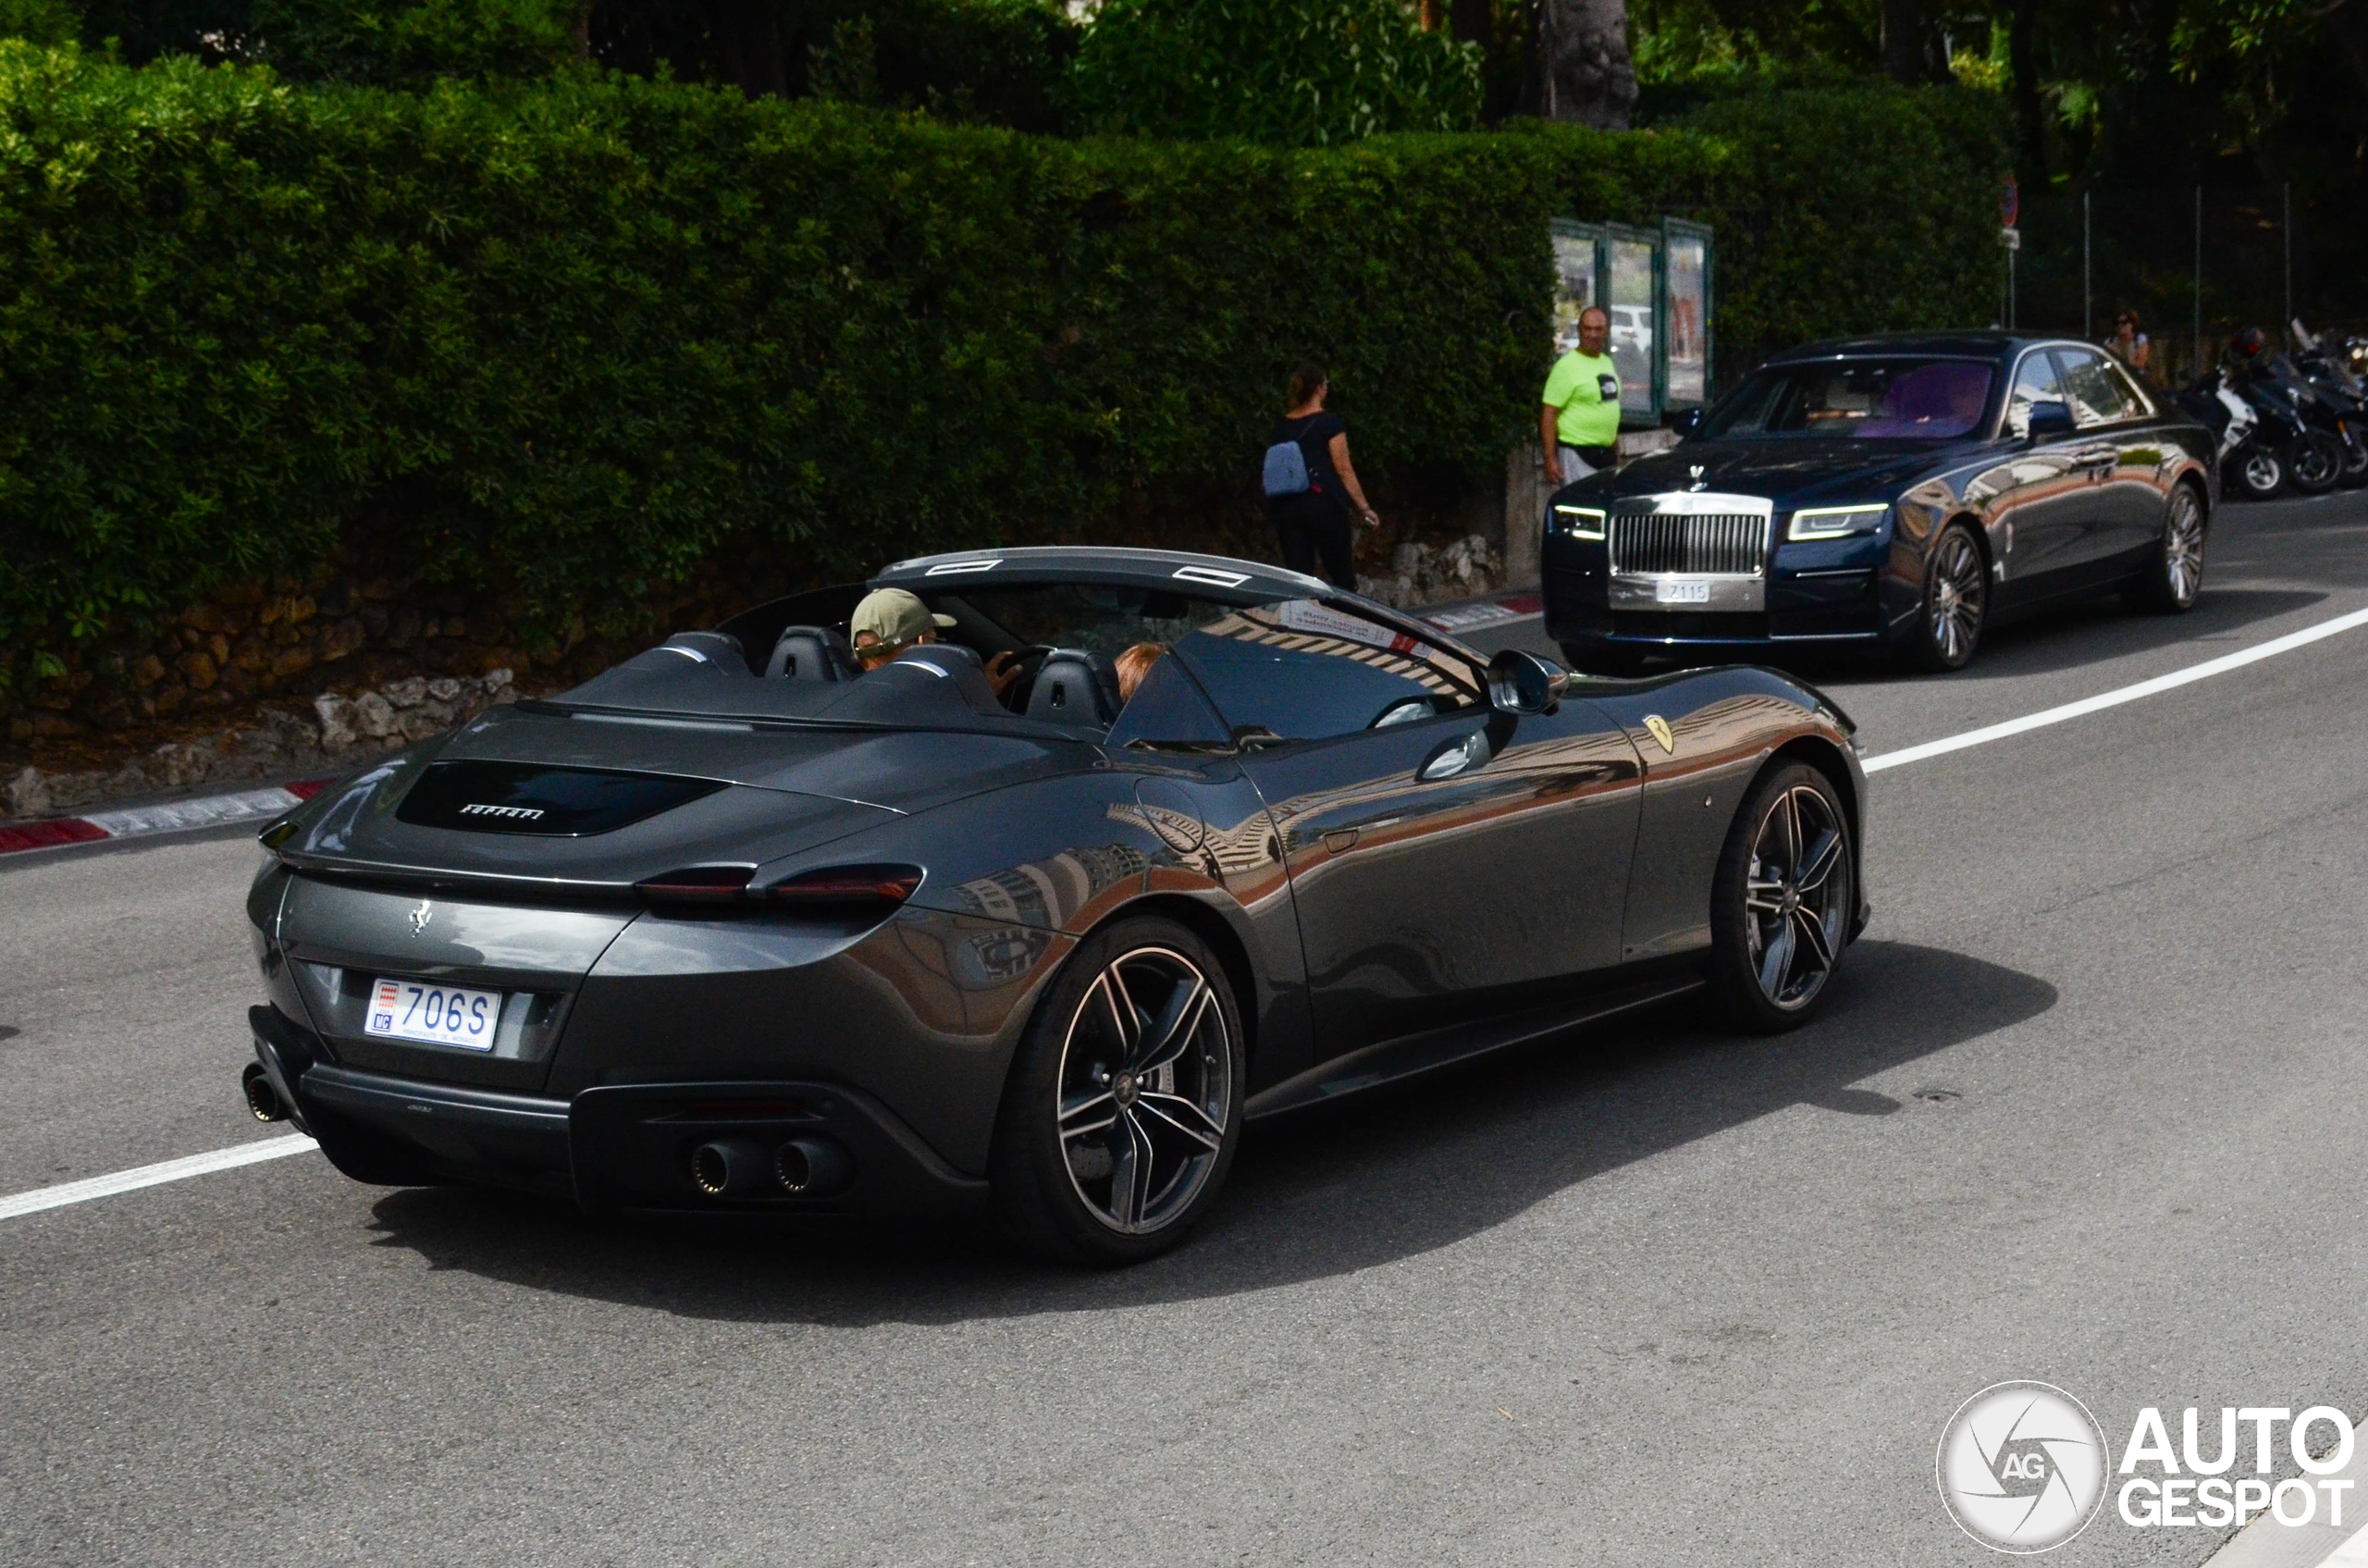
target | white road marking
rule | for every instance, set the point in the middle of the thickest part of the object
(2352, 1552)
(2120, 694)
(40, 1198)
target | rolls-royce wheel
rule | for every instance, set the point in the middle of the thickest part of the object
(2315, 463)
(1124, 1107)
(2260, 473)
(2175, 575)
(1780, 906)
(1957, 591)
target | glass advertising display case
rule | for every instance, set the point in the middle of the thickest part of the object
(1655, 284)
(1578, 259)
(1631, 277)
(1685, 314)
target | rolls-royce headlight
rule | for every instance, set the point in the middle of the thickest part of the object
(1833, 522)
(1579, 522)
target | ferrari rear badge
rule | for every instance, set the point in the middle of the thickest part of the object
(421, 915)
(1653, 722)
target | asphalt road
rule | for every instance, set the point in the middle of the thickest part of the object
(2086, 1109)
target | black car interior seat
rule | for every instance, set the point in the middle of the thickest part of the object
(1071, 687)
(811, 653)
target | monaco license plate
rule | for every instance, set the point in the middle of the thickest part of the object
(444, 1014)
(1669, 591)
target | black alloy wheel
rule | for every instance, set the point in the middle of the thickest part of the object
(1781, 906)
(1956, 592)
(2173, 578)
(2259, 473)
(1123, 1107)
(2315, 463)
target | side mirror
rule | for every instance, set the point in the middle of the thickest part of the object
(1687, 424)
(1522, 682)
(2050, 422)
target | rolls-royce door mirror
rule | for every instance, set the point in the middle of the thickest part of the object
(1687, 424)
(2050, 422)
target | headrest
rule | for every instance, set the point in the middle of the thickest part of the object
(811, 653)
(1071, 688)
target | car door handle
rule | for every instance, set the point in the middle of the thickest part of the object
(1339, 841)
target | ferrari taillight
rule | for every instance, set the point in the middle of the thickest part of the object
(844, 886)
(847, 888)
(697, 886)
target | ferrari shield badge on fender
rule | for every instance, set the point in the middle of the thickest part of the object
(1653, 722)
(421, 915)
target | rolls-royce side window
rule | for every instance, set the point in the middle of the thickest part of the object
(2035, 382)
(2097, 396)
(1303, 670)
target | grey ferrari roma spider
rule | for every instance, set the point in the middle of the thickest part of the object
(738, 925)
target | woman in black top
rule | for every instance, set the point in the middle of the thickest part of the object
(1316, 521)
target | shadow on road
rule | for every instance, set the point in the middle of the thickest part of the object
(1390, 1175)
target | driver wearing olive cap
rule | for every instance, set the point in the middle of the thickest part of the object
(892, 629)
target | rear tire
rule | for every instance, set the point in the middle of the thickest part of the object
(1782, 902)
(2174, 576)
(1123, 1111)
(1956, 596)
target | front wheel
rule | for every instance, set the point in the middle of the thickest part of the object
(2355, 461)
(1124, 1107)
(1782, 901)
(2261, 472)
(1948, 626)
(2315, 462)
(2174, 576)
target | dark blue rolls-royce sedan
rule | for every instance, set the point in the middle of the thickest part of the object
(1898, 492)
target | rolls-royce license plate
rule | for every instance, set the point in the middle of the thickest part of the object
(443, 1015)
(1678, 591)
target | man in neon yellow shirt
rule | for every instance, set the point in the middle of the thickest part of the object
(1579, 425)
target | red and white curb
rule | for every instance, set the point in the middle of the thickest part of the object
(1493, 610)
(173, 816)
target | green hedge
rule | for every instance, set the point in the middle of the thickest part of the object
(564, 339)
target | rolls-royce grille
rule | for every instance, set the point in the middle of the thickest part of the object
(1721, 543)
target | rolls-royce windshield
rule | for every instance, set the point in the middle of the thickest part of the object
(1860, 399)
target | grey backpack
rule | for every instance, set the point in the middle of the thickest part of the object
(1286, 470)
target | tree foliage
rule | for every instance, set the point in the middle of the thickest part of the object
(1295, 72)
(564, 340)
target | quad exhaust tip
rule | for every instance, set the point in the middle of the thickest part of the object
(261, 1098)
(734, 1168)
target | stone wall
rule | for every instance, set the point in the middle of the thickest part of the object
(330, 734)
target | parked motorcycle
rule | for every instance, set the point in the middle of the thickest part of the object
(2253, 462)
(2295, 425)
(2329, 397)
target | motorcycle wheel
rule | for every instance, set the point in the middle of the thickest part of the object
(2355, 463)
(2316, 463)
(2259, 473)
